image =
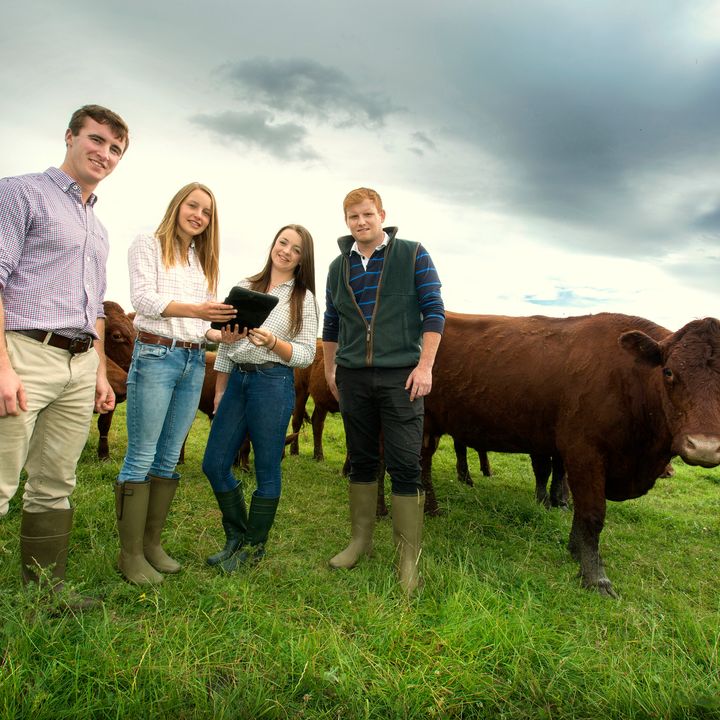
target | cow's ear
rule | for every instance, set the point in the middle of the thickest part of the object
(642, 346)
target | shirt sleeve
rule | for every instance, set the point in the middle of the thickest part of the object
(427, 285)
(223, 363)
(304, 343)
(143, 259)
(15, 222)
(331, 319)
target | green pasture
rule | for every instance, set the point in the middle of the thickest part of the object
(502, 628)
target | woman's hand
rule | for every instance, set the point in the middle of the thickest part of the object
(226, 335)
(230, 335)
(215, 312)
(262, 337)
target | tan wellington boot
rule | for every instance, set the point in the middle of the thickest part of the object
(131, 505)
(408, 515)
(44, 539)
(162, 492)
(363, 502)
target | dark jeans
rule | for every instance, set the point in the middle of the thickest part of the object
(374, 400)
(257, 404)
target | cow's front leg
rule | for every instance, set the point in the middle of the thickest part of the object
(584, 547)
(587, 483)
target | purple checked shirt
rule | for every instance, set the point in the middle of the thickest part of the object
(53, 252)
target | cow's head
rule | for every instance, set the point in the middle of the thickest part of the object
(689, 364)
(119, 334)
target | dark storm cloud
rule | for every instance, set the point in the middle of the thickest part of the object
(586, 113)
(421, 143)
(710, 222)
(308, 89)
(257, 129)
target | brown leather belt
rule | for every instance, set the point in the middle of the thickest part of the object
(75, 346)
(252, 367)
(150, 339)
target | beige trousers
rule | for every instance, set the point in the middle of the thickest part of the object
(48, 438)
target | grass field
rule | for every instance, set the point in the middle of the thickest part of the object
(502, 628)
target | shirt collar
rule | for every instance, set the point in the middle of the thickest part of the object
(386, 238)
(68, 185)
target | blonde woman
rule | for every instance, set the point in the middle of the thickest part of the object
(173, 281)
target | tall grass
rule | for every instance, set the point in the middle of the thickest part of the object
(502, 628)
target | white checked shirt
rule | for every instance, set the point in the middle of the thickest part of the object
(278, 323)
(153, 287)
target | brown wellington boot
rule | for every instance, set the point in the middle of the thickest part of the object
(131, 505)
(44, 539)
(162, 492)
(408, 515)
(363, 502)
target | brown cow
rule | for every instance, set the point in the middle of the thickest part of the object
(119, 335)
(615, 396)
(119, 342)
(310, 382)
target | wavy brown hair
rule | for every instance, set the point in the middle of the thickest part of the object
(101, 115)
(207, 243)
(304, 275)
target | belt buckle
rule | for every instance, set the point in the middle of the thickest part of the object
(79, 345)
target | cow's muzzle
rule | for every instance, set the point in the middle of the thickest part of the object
(701, 450)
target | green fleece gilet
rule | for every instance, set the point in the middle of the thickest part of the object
(393, 337)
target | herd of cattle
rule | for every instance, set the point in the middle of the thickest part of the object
(601, 401)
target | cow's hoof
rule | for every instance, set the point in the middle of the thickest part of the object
(605, 588)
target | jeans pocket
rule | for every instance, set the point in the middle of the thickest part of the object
(152, 352)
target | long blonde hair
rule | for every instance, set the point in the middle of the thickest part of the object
(207, 243)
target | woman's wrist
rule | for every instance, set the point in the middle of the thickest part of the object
(275, 341)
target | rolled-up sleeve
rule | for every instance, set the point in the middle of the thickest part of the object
(15, 219)
(143, 260)
(223, 363)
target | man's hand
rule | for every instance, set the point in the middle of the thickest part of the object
(104, 395)
(12, 393)
(330, 380)
(419, 383)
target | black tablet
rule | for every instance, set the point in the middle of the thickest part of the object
(252, 308)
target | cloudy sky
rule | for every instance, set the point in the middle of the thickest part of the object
(554, 157)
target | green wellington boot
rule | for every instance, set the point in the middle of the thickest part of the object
(44, 540)
(234, 522)
(260, 519)
(363, 503)
(408, 515)
(162, 492)
(131, 505)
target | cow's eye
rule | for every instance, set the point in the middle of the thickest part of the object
(668, 373)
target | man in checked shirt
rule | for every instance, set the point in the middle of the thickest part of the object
(53, 252)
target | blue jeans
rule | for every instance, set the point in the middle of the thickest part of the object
(163, 392)
(259, 405)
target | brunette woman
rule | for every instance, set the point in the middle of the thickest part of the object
(255, 395)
